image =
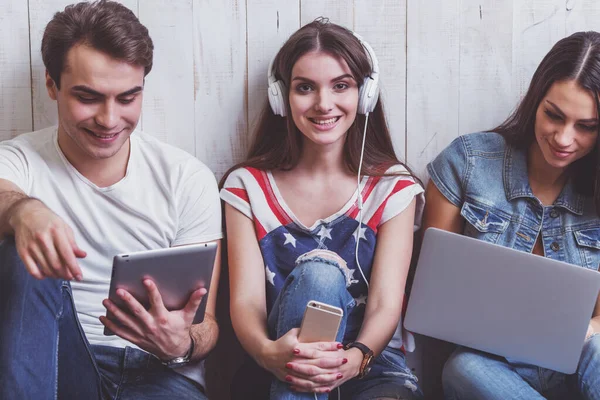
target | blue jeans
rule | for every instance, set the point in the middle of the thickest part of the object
(44, 353)
(321, 279)
(471, 374)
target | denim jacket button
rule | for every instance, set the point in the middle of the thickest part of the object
(553, 213)
(555, 246)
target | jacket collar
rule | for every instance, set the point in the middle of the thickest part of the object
(516, 182)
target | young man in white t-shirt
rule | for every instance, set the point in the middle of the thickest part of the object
(74, 196)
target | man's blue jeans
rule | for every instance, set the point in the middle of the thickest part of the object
(471, 374)
(320, 278)
(44, 353)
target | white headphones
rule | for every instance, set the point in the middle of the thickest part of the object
(367, 94)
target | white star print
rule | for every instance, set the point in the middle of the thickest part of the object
(362, 299)
(351, 276)
(324, 233)
(289, 239)
(270, 275)
(360, 233)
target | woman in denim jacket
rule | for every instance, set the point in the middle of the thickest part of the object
(531, 185)
(302, 226)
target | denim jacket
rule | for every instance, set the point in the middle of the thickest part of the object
(487, 179)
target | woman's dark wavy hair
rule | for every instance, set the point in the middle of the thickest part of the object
(104, 25)
(277, 142)
(577, 58)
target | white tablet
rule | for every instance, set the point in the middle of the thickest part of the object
(177, 272)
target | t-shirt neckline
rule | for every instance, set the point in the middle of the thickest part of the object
(132, 152)
(323, 221)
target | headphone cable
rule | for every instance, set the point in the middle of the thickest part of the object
(360, 199)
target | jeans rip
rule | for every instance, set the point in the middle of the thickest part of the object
(328, 257)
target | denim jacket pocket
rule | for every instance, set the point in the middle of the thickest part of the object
(588, 241)
(482, 223)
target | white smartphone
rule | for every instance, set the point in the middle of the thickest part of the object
(320, 322)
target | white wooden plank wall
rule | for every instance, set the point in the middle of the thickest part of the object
(432, 84)
(270, 23)
(447, 68)
(220, 84)
(485, 57)
(15, 76)
(169, 100)
(383, 25)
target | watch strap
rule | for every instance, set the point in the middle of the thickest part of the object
(361, 346)
(367, 357)
(182, 360)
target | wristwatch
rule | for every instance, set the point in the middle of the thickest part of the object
(183, 360)
(365, 365)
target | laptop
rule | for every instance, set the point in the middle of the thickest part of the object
(502, 301)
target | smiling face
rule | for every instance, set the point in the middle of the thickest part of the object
(99, 105)
(566, 124)
(323, 98)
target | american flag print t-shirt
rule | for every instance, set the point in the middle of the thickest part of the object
(282, 238)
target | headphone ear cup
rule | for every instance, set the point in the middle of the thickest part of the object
(367, 104)
(276, 94)
(361, 98)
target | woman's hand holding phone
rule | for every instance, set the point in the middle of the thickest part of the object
(322, 366)
(276, 354)
(318, 360)
(308, 367)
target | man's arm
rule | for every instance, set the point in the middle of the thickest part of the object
(10, 196)
(44, 241)
(205, 334)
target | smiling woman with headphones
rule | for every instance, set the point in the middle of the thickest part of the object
(322, 210)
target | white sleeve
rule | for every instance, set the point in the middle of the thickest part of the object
(198, 205)
(398, 202)
(235, 193)
(14, 166)
(404, 190)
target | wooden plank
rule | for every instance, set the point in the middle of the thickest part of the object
(168, 111)
(220, 82)
(538, 24)
(338, 11)
(15, 72)
(270, 23)
(383, 25)
(582, 15)
(40, 13)
(486, 98)
(432, 93)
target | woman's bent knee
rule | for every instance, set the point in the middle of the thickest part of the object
(326, 271)
(461, 370)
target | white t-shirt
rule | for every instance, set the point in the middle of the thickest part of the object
(167, 198)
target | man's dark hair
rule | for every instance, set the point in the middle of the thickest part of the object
(104, 25)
